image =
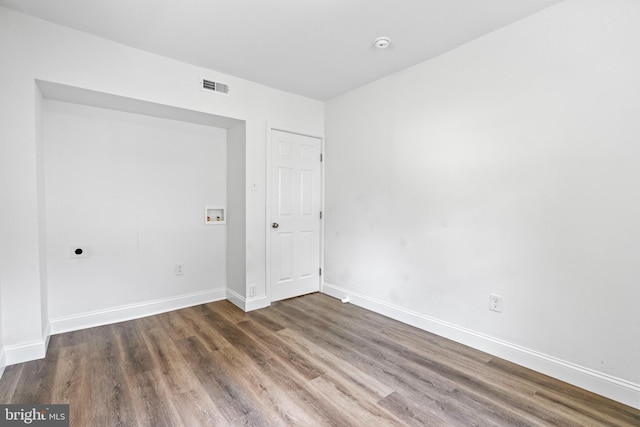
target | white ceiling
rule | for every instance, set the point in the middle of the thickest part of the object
(316, 48)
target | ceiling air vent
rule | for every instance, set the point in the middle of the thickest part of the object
(215, 86)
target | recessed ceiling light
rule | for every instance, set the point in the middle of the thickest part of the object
(382, 42)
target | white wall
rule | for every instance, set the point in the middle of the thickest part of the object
(42, 225)
(131, 190)
(236, 207)
(33, 49)
(3, 361)
(508, 166)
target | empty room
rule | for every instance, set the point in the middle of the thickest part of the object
(320, 212)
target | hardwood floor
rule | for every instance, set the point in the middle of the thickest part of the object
(306, 361)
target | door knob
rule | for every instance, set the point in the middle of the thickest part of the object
(275, 225)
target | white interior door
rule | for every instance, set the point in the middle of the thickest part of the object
(294, 233)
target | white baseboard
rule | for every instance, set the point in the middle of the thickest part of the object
(247, 304)
(3, 362)
(236, 299)
(25, 352)
(133, 311)
(10, 355)
(46, 335)
(256, 303)
(597, 382)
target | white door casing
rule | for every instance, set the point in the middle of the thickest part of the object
(295, 204)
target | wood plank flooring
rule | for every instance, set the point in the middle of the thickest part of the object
(307, 361)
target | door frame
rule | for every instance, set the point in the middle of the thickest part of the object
(268, 193)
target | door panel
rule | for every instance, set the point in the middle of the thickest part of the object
(306, 193)
(295, 208)
(306, 254)
(285, 253)
(285, 192)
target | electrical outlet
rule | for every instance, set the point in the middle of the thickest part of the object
(252, 290)
(179, 268)
(495, 303)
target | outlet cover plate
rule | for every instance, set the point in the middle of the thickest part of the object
(495, 303)
(180, 269)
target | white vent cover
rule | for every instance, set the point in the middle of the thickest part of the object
(215, 86)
